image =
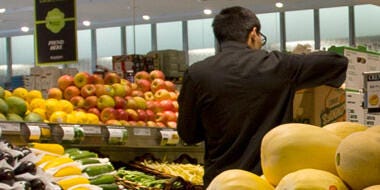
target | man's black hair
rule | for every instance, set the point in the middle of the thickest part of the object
(234, 24)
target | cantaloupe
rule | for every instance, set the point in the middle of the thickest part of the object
(373, 187)
(345, 128)
(237, 179)
(358, 159)
(311, 179)
(290, 147)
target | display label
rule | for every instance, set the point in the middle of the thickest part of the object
(372, 91)
(117, 135)
(169, 137)
(68, 133)
(10, 127)
(92, 130)
(35, 132)
(142, 132)
(55, 32)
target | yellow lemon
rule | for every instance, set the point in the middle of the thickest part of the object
(58, 117)
(71, 118)
(92, 118)
(52, 105)
(81, 117)
(20, 92)
(37, 103)
(7, 94)
(66, 106)
(33, 94)
(41, 112)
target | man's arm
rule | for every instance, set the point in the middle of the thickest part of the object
(189, 124)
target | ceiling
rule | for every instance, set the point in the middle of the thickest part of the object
(107, 13)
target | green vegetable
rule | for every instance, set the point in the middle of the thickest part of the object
(71, 151)
(98, 169)
(86, 161)
(83, 154)
(103, 179)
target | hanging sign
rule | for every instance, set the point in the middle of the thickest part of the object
(55, 32)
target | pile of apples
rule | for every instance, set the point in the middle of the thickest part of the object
(149, 100)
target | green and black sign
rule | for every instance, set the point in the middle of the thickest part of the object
(55, 32)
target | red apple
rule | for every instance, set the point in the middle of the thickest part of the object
(143, 85)
(140, 102)
(160, 124)
(141, 75)
(131, 103)
(100, 90)
(162, 94)
(149, 95)
(70, 92)
(153, 105)
(141, 124)
(171, 124)
(121, 114)
(81, 79)
(138, 93)
(151, 116)
(107, 113)
(120, 102)
(134, 86)
(170, 116)
(111, 78)
(77, 101)
(132, 115)
(142, 115)
(157, 84)
(132, 123)
(97, 79)
(157, 74)
(64, 81)
(167, 105)
(170, 86)
(94, 110)
(105, 101)
(176, 105)
(88, 90)
(173, 95)
(119, 89)
(55, 93)
(161, 117)
(112, 122)
(90, 102)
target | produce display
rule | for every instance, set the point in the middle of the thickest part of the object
(85, 98)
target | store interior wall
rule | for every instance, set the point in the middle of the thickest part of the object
(200, 43)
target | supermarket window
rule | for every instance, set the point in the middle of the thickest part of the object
(367, 27)
(201, 39)
(22, 54)
(334, 29)
(299, 26)
(169, 36)
(84, 51)
(108, 41)
(3, 61)
(139, 36)
(270, 26)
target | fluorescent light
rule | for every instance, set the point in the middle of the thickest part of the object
(25, 29)
(207, 11)
(86, 23)
(2, 10)
(279, 5)
(146, 17)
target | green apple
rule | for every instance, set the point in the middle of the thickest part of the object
(105, 101)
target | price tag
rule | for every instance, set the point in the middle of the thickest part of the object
(10, 127)
(117, 135)
(35, 132)
(142, 132)
(92, 130)
(68, 133)
(169, 137)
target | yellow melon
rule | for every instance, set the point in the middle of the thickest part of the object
(373, 187)
(311, 179)
(290, 147)
(358, 159)
(238, 179)
(344, 128)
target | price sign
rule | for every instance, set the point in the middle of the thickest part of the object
(142, 132)
(35, 132)
(169, 137)
(92, 130)
(117, 135)
(10, 127)
(68, 133)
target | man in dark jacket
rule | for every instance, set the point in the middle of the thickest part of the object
(231, 100)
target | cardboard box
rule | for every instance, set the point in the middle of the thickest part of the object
(320, 106)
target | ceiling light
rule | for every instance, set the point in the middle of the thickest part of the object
(146, 17)
(2, 10)
(207, 11)
(25, 29)
(86, 23)
(279, 5)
